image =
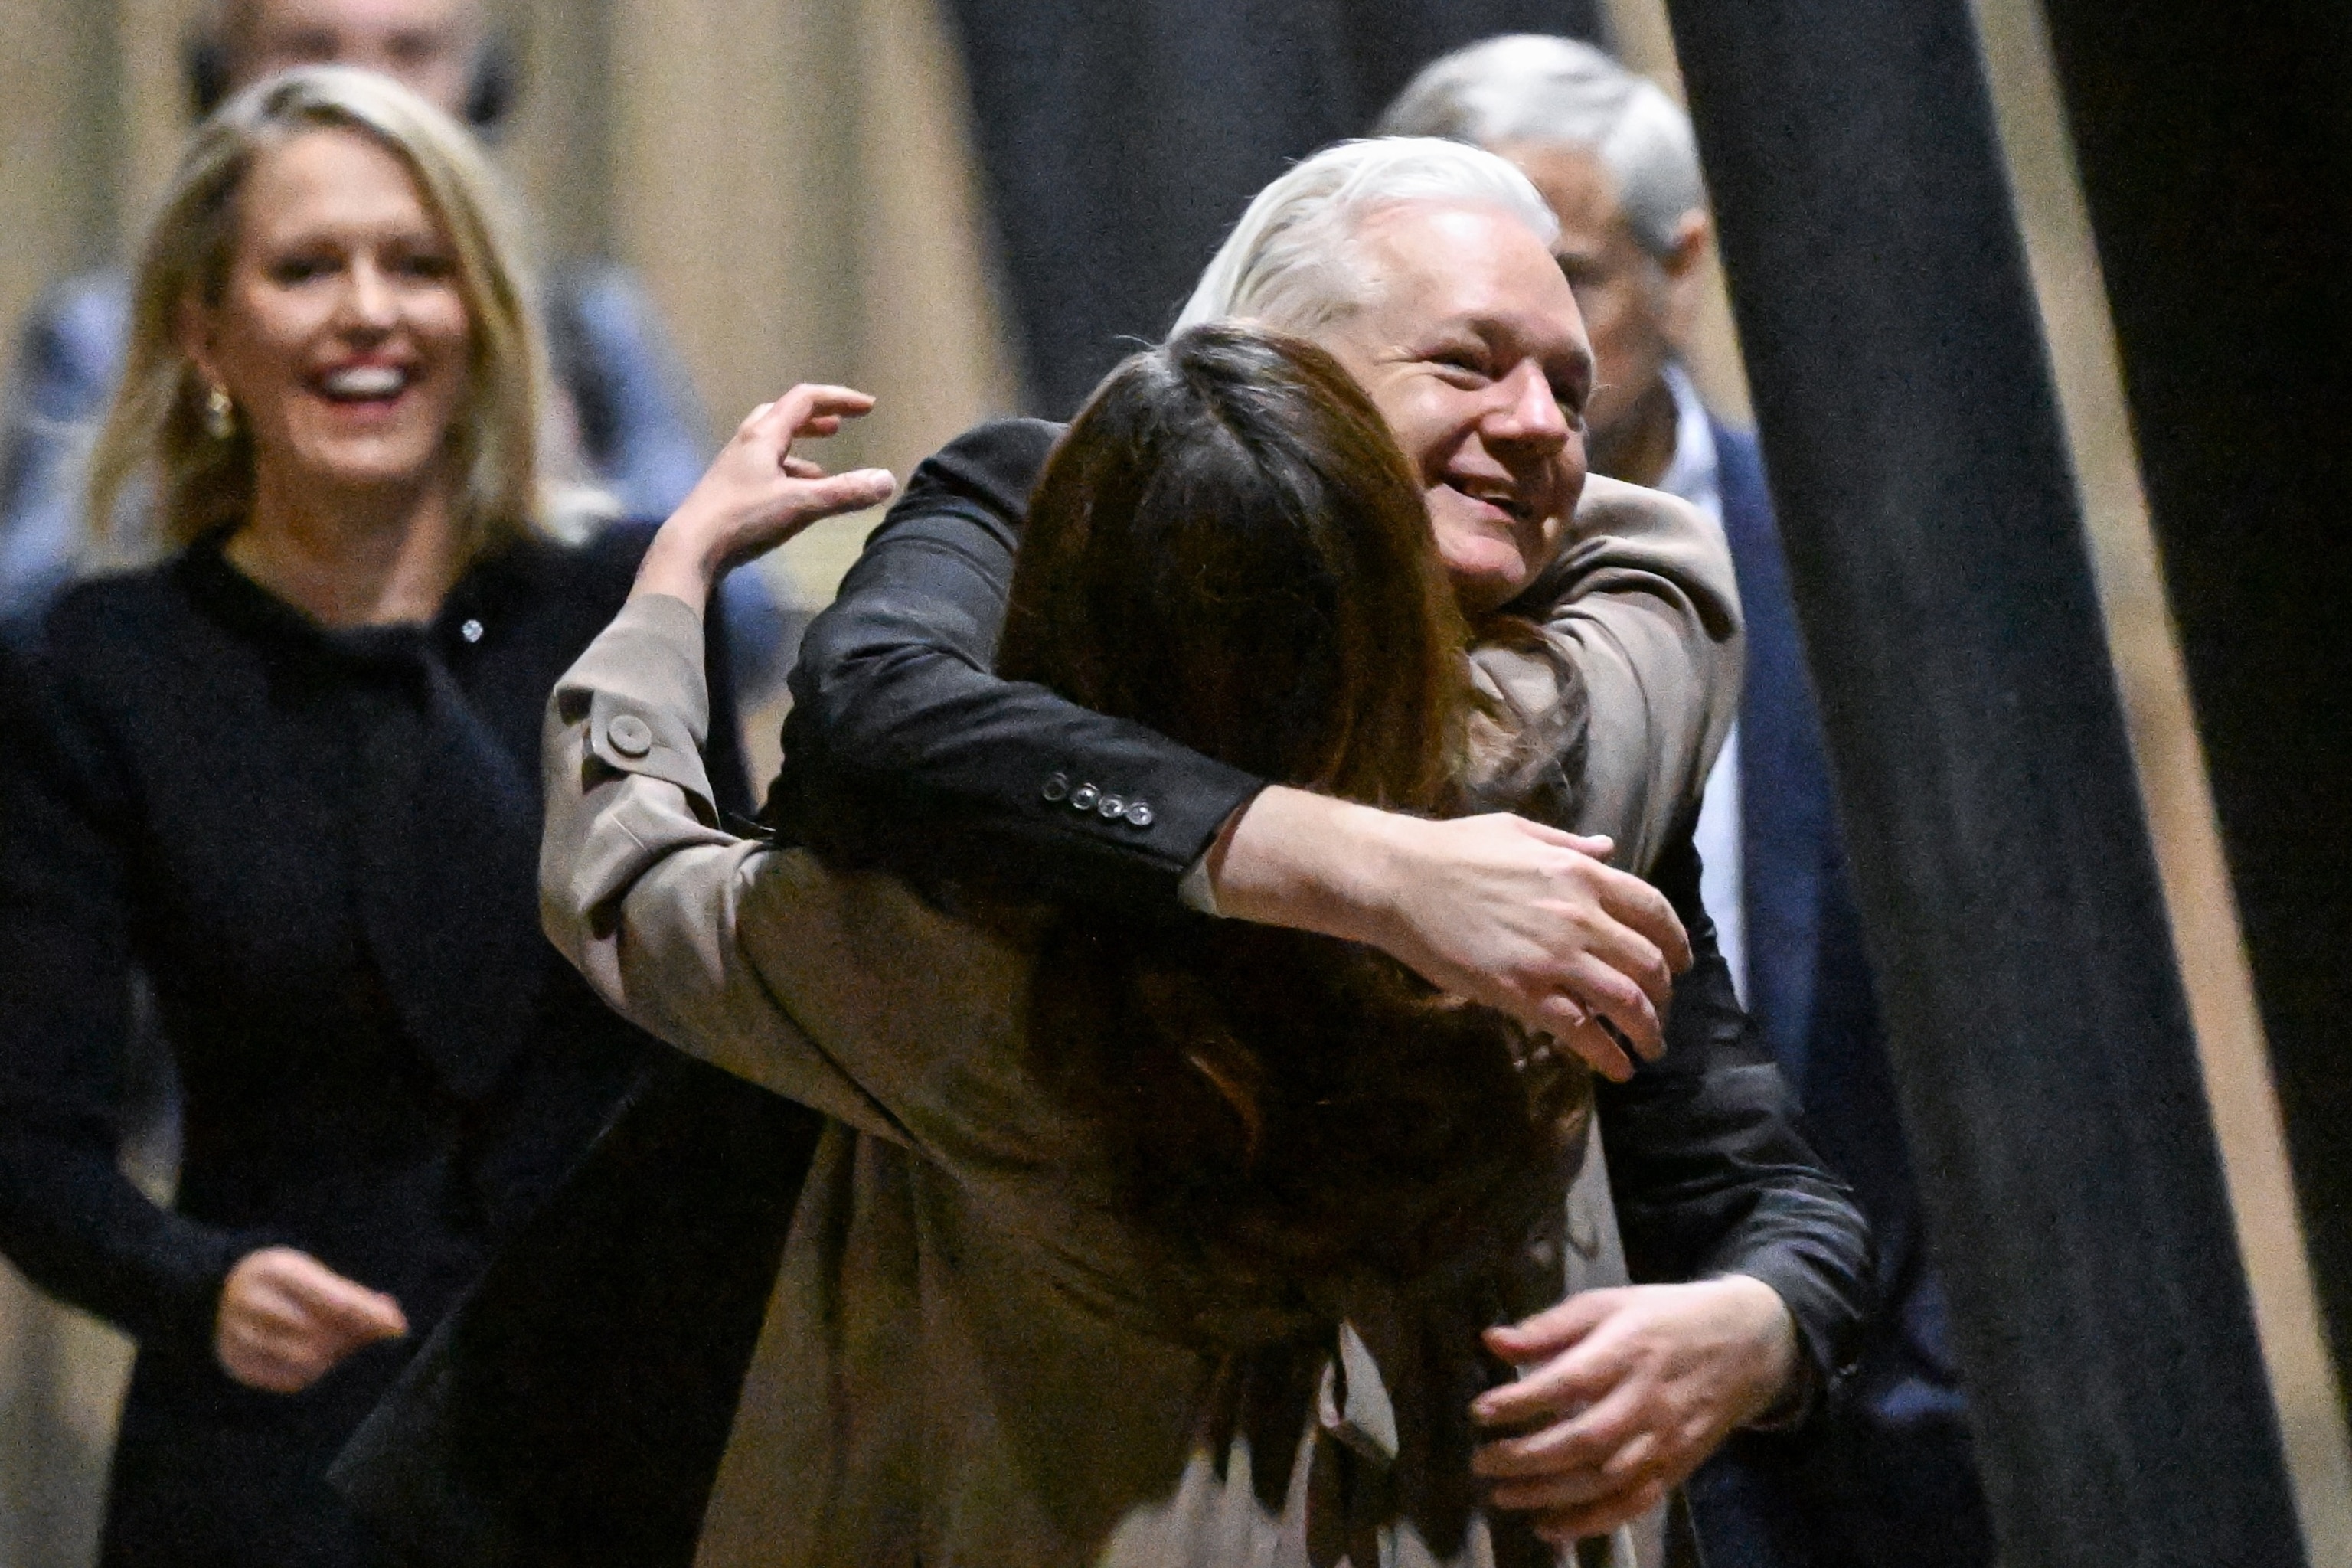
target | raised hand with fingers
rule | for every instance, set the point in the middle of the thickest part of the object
(758, 494)
(286, 1320)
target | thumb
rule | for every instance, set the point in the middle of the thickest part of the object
(361, 1316)
(1596, 845)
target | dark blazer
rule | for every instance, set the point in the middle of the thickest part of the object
(318, 851)
(1888, 1479)
(903, 747)
(904, 750)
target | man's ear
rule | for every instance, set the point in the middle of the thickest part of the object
(1684, 266)
(1693, 235)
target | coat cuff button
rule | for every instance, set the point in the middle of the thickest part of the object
(630, 735)
(1083, 798)
(1057, 787)
(1138, 815)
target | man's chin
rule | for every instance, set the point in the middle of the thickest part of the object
(1484, 585)
(1488, 566)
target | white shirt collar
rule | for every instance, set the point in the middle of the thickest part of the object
(1694, 474)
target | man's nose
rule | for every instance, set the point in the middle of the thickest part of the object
(1525, 412)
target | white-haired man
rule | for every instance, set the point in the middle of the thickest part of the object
(1427, 270)
(1888, 1479)
(1425, 267)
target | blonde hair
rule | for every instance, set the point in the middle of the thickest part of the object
(155, 426)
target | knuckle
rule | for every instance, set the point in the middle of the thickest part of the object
(1618, 990)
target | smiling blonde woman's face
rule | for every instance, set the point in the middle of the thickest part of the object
(341, 333)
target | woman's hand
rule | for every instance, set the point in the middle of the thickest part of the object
(757, 494)
(286, 1320)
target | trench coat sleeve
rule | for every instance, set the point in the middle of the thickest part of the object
(68, 1216)
(1642, 603)
(642, 889)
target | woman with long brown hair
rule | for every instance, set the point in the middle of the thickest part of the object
(1167, 1244)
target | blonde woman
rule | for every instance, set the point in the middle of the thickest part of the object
(286, 775)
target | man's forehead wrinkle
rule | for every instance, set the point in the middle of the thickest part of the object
(1513, 330)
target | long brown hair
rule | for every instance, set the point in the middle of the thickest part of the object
(1229, 547)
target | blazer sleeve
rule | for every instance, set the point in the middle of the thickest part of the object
(904, 748)
(1711, 1172)
(1642, 603)
(69, 1218)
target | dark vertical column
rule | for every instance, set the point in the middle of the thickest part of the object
(1121, 141)
(2038, 1027)
(2218, 170)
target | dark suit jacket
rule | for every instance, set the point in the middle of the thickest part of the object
(318, 848)
(1890, 1480)
(905, 750)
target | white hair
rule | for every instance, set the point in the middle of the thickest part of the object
(1526, 87)
(1291, 261)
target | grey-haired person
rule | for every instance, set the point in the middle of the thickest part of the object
(1888, 1476)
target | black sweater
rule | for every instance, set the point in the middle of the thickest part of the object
(320, 849)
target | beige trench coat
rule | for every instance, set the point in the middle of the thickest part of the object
(967, 1358)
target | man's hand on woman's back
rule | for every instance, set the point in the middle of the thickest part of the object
(1501, 911)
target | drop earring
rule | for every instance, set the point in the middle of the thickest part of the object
(220, 413)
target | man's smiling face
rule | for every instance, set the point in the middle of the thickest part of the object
(1472, 347)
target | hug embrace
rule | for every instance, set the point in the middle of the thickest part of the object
(1142, 1229)
(1213, 1051)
